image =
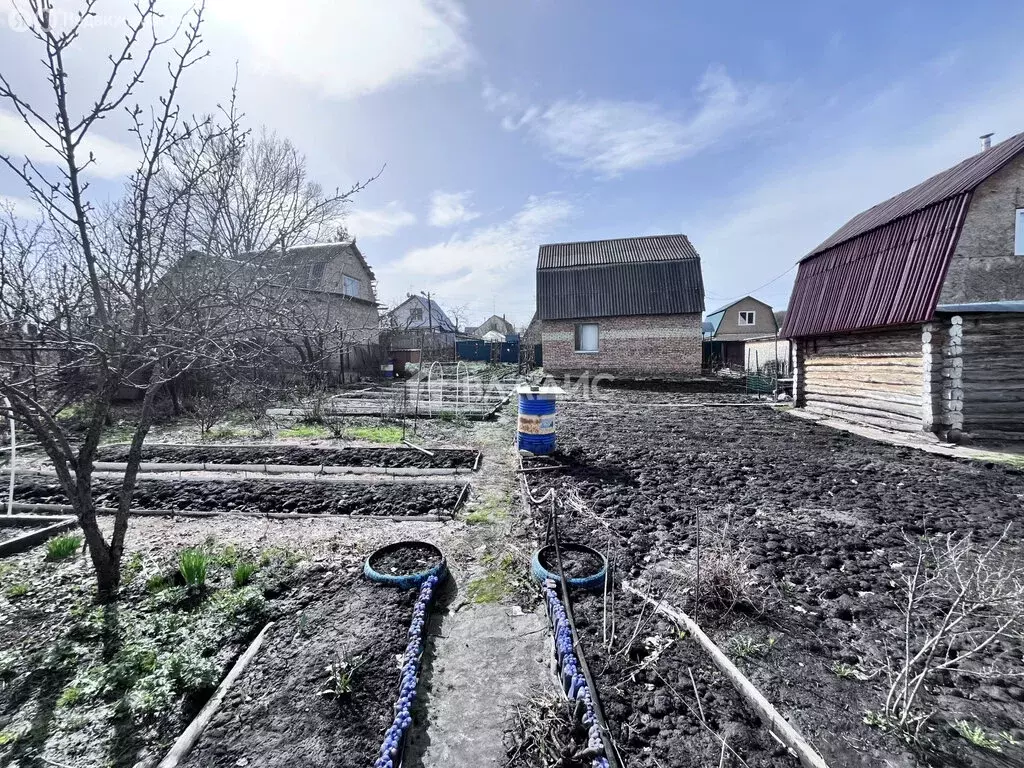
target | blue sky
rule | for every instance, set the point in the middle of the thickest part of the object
(755, 128)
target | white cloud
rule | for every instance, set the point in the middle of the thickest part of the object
(380, 222)
(613, 137)
(113, 159)
(347, 48)
(490, 266)
(450, 208)
(21, 207)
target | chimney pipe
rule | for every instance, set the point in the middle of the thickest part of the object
(986, 141)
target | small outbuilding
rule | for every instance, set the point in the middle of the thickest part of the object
(630, 307)
(911, 316)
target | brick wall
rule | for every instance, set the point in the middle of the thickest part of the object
(641, 345)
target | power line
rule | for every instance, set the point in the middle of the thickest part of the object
(760, 287)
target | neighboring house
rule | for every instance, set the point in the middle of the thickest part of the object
(630, 307)
(419, 323)
(911, 315)
(493, 323)
(494, 336)
(330, 292)
(727, 329)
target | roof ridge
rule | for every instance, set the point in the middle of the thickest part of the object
(615, 239)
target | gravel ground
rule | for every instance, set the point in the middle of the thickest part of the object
(824, 524)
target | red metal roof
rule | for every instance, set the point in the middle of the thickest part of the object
(891, 275)
(886, 265)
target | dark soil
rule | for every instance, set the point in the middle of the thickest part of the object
(828, 522)
(296, 455)
(276, 714)
(12, 532)
(310, 497)
(575, 562)
(409, 559)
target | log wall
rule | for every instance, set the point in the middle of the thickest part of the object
(876, 378)
(992, 375)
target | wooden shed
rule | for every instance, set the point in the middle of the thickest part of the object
(910, 316)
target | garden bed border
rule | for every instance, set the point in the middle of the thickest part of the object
(58, 524)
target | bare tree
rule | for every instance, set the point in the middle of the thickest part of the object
(154, 286)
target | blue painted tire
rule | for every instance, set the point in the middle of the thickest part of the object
(591, 581)
(405, 580)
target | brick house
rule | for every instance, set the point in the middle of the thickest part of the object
(630, 307)
(727, 329)
(910, 316)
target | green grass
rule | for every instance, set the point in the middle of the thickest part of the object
(500, 582)
(976, 735)
(846, 671)
(62, 547)
(385, 435)
(745, 646)
(242, 573)
(1014, 460)
(18, 590)
(69, 696)
(305, 430)
(193, 563)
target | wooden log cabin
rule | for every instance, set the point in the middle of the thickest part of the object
(911, 316)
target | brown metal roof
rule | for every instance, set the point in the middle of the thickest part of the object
(886, 265)
(627, 250)
(962, 177)
(891, 275)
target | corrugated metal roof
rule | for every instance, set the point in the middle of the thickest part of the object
(962, 177)
(890, 275)
(628, 250)
(666, 287)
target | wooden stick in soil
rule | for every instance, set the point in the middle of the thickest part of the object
(179, 751)
(771, 717)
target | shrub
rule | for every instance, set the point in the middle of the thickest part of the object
(192, 563)
(157, 583)
(62, 547)
(242, 573)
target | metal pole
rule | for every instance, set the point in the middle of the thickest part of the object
(10, 423)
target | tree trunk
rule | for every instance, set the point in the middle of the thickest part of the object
(108, 569)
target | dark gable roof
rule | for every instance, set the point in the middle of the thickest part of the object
(657, 275)
(886, 265)
(627, 250)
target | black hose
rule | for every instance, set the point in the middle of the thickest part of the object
(611, 753)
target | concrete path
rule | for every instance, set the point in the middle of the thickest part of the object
(486, 660)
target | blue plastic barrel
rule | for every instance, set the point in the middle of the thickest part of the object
(536, 422)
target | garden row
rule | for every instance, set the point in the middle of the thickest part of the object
(262, 496)
(807, 540)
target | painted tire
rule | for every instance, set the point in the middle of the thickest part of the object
(593, 581)
(406, 580)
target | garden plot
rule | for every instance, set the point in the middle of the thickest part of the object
(808, 538)
(281, 455)
(21, 532)
(289, 497)
(89, 685)
(320, 691)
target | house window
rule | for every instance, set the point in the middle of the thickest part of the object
(586, 337)
(416, 314)
(351, 286)
(1018, 240)
(748, 317)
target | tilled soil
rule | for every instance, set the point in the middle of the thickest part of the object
(408, 559)
(649, 700)
(575, 562)
(827, 523)
(296, 455)
(14, 531)
(278, 713)
(263, 496)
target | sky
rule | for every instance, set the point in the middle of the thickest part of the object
(756, 129)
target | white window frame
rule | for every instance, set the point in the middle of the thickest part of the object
(416, 313)
(1018, 232)
(742, 312)
(576, 339)
(344, 285)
